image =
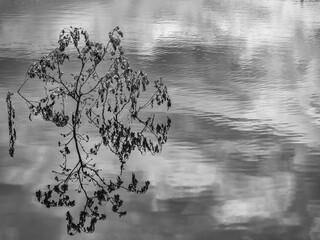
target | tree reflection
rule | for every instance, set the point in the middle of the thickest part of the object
(105, 98)
(11, 118)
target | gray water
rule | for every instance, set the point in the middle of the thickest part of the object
(243, 157)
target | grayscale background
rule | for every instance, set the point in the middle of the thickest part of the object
(243, 157)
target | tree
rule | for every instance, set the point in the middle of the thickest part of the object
(103, 95)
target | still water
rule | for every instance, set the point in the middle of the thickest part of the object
(243, 157)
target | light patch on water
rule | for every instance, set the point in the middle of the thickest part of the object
(172, 177)
(248, 198)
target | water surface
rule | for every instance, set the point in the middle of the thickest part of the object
(243, 157)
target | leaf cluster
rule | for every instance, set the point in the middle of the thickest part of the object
(57, 196)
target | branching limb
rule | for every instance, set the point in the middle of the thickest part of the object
(74, 101)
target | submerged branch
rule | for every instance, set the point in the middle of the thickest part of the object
(11, 123)
(74, 101)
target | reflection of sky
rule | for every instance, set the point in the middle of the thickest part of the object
(258, 23)
(191, 175)
(21, 219)
(243, 77)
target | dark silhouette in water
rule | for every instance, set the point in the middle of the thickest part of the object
(12, 130)
(108, 102)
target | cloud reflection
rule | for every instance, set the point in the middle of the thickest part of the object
(20, 219)
(249, 68)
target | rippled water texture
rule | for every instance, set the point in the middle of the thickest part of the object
(243, 158)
